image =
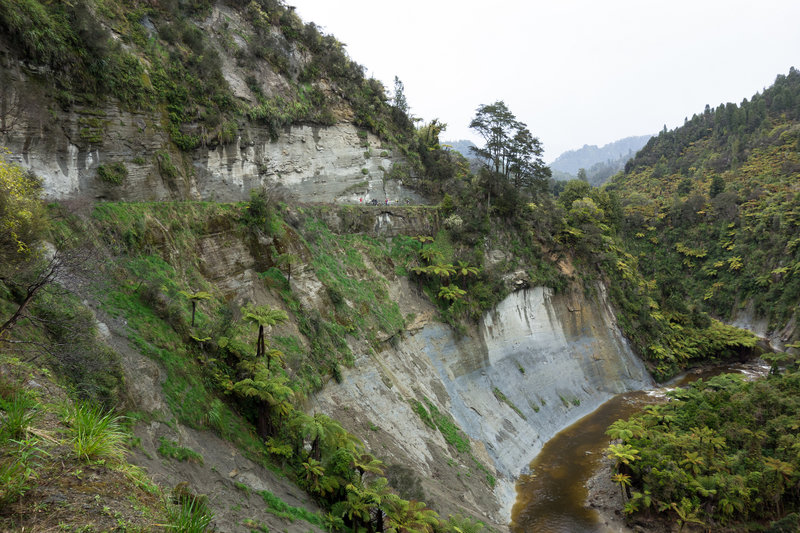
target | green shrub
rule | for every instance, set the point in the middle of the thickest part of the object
(190, 515)
(463, 524)
(18, 465)
(165, 165)
(281, 509)
(113, 174)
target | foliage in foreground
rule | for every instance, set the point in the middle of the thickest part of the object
(189, 516)
(722, 452)
(21, 214)
(18, 455)
(77, 458)
(95, 434)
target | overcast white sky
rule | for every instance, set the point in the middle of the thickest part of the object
(576, 72)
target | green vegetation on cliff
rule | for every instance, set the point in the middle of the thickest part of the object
(703, 223)
(242, 371)
(170, 57)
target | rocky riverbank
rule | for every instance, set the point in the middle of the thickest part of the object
(604, 496)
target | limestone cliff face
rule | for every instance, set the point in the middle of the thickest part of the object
(339, 163)
(66, 143)
(316, 164)
(380, 221)
(537, 363)
(556, 358)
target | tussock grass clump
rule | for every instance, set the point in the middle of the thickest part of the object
(16, 414)
(189, 516)
(95, 435)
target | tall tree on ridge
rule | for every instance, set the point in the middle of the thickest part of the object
(496, 124)
(511, 153)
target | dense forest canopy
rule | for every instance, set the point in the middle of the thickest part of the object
(714, 206)
(711, 211)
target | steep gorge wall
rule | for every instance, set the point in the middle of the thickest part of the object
(777, 339)
(555, 358)
(379, 221)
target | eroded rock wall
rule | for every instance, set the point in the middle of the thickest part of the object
(777, 339)
(555, 357)
(379, 221)
(532, 366)
(335, 164)
(537, 363)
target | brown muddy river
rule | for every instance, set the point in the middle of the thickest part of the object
(550, 499)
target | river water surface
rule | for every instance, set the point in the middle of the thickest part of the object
(551, 498)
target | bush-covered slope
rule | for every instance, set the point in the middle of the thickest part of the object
(206, 66)
(248, 316)
(722, 454)
(711, 218)
(712, 209)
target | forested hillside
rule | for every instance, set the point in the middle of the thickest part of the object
(712, 209)
(711, 215)
(162, 55)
